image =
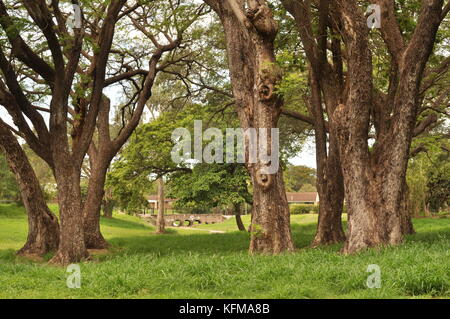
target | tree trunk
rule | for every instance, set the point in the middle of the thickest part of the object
(406, 213)
(331, 194)
(43, 227)
(108, 204)
(160, 222)
(330, 184)
(270, 229)
(72, 248)
(92, 207)
(237, 214)
(250, 33)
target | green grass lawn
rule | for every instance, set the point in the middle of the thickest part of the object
(197, 264)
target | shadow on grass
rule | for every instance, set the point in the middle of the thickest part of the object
(120, 223)
(202, 243)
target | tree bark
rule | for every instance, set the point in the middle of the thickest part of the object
(108, 204)
(92, 207)
(406, 213)
(43, 227)
(330, 184)
(71, 243)
(250, 35)
(330, 187)
(160, 222)
(375, 179)
(326, 89)
(237, 214)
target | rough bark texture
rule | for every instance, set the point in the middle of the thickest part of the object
(160, 222)
(52, 142)
(71, 244)
(326, 90)
(330, 184)
(92, 207)
(375, 179)
(43, 227)
(250, 35)
(102, 151)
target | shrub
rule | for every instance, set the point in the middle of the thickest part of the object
(299, 209)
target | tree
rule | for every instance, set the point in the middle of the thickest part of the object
(326, 87)
(250, 35)
(147, 157)
(296, 177)
(154, 21)
(52, 67)
(160, 223)
(43, 227)
(375, 177)
(211, 186)
(329, 81)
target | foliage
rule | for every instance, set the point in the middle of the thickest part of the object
(428, 174)
(211, 186)
(298, 209)
(297, 177)
(8, 187)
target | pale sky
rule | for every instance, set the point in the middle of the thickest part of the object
(307, 157)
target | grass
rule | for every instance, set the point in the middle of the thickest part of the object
(196, 264)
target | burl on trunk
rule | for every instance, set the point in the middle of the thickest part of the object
(250, 35)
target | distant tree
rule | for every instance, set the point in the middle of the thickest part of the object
(213, 186)
(298, 176)
(308, 188)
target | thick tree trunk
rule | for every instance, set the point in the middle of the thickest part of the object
(270, 229)
(160, 222)
(250, 33)
(331, 194)
(43, 227)
(72, 248)
(92, 207)
(330, 184)
(375, 179)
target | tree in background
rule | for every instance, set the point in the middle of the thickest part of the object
(319, 84)
(161, 28)
(297, 177)
(211, 186)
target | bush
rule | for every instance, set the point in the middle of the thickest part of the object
(304, 209)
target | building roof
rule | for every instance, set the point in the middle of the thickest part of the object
(302, 197)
